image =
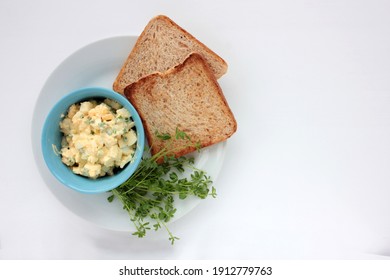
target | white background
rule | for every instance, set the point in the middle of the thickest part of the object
(306, 176)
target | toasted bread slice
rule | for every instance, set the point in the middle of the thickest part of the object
(161, 46)
(186, 97)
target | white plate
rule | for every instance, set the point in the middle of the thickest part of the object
(98, 64)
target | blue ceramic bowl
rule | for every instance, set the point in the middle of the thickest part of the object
(51, 134)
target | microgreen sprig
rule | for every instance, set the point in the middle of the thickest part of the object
(149, 194)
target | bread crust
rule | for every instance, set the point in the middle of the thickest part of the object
(124, 78)
(147, 89)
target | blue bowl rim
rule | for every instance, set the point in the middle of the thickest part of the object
(111, 181)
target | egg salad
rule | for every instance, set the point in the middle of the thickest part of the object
(98, 138)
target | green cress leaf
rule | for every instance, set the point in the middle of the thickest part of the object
(149, 194)
(163, 136)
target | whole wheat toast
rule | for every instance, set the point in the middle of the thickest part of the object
(186, 97)
(162, 45)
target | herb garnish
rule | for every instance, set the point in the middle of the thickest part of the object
(148, 195)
